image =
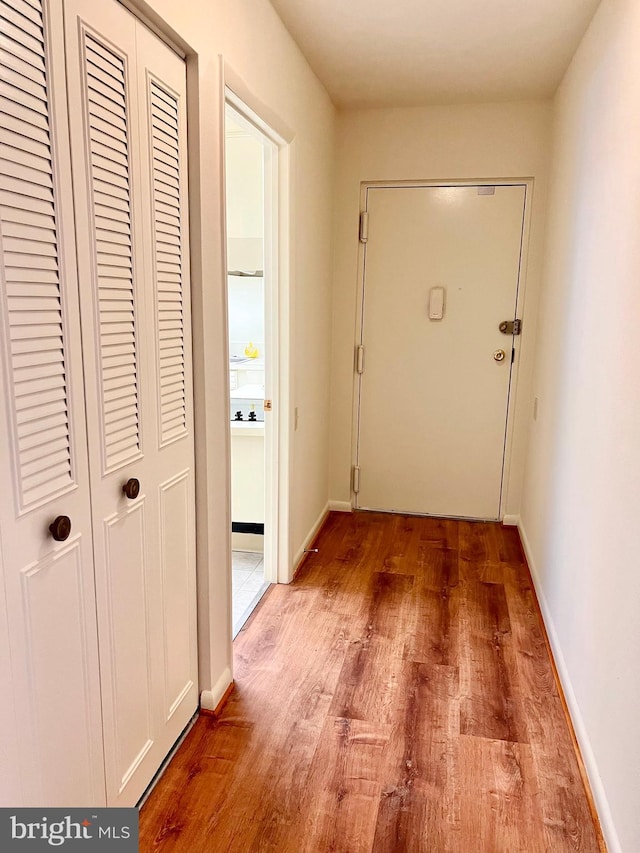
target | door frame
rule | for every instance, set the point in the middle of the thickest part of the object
(277, 328)
(528, 184)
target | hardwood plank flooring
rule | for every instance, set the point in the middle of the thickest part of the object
(398, 697)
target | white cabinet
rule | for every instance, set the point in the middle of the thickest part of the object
(96, 386)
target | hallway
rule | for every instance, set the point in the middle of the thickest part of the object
(398, 696)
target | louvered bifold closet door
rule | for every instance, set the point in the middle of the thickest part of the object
(163, 118)
(102, 83)
(168, 228)
(50, 709)
(30, 254)
(130, 180)
(110, 168)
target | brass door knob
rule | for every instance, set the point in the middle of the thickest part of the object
(132, 488)
(499, 355)
(60, 528)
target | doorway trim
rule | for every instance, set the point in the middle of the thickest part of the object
(528, 183)
(277, 321)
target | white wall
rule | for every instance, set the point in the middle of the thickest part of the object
(244, 155)
(581, 499)
(458, 142)
(247, 463)
(245, 237)
(244, 171)
(262, 56)
(246, 314)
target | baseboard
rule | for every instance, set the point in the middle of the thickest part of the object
(586, 758)
(301, 556)
(211, 699)
(511, 520)
(247, 542)
(340, 506)
(218, 709)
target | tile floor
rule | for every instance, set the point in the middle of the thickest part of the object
(248, 586)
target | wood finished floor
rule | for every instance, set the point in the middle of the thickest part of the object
(398, 696)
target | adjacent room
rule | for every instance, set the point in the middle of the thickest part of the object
(245, 206)
(320, 383)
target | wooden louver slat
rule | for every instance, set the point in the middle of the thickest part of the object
(165, 151)
(29, 248)
(110, 168)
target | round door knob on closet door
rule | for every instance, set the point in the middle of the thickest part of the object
(60, 528)
(132, 488)
(499, 355)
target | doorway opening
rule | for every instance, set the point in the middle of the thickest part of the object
(251, 163)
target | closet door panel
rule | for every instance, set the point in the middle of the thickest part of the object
(51, 587)
(110, 184)
(102, 74)
(130, 169)
(128, 603)
(167, 246)
(176, 523)
(162, 94)
(52, 700)
(9, 748)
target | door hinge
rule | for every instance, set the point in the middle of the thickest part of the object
(356, 479)
(511, 327)
(360, 359)
(364, 226)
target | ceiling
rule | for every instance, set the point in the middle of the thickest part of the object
(374, 53)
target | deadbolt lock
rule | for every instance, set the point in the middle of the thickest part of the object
(499, 355)
(511, 327)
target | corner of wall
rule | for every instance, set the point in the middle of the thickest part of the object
(340, 506)
(210, 699)
(588, 758)
(300, 555)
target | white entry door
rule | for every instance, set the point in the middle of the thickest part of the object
(127, 93)
(435, 389)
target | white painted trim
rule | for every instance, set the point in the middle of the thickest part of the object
(511, 520)
(210, 699)
(287, 365)
(340, 506)
(260, 115)
(582, 736)
(275, 365)
(149, 17)
(508, 473)
(308, 540)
